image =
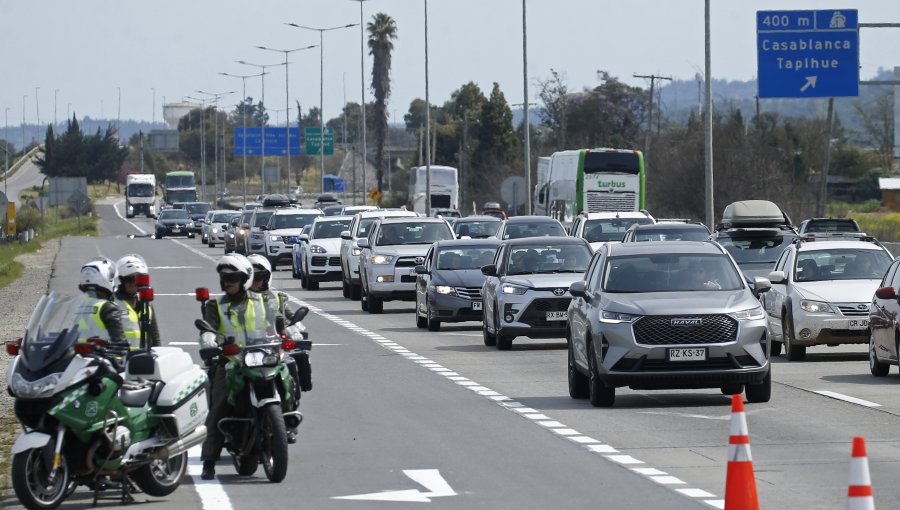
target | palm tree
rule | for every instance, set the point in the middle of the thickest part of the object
(382, 31)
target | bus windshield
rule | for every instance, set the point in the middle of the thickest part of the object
(611, 162)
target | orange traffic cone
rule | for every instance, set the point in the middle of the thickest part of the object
(859, 497)
(740, 485)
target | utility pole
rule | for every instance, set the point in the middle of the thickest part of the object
(427, 125)
(527, 126)
(823, 186)
(652, 78)
(708, 128)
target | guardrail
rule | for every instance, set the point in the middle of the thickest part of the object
(21, 161)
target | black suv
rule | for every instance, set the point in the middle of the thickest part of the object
(755, 232)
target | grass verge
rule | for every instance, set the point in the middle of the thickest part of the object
(10, 270)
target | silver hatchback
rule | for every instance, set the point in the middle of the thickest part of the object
(667, 315)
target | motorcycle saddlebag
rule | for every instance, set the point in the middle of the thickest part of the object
(182, 405)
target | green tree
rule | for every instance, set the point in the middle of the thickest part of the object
(497, 142)
(382, 32)
(96, 157)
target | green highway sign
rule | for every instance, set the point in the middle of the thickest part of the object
(313, 138)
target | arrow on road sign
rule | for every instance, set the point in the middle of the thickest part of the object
(810, 82)
(431, 479)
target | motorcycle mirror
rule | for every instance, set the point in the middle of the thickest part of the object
(202, 325)
(12, 348)
(299, 315)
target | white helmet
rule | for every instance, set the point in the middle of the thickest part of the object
(236, 263)
(99, 273)
(131, 264)
(262, 264)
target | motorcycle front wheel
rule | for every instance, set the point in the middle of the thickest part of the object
(30, 479)
(162, 476)
(273, 449)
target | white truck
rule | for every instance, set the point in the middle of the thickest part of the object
(140, 195)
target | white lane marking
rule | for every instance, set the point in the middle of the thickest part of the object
(591, 444)
(212, 494)
(431, 479)
(479, 335)
(191, 248)
(182, 343)
(847, 398)
(116, 208)
(174, 267)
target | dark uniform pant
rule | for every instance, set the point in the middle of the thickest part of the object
(218, 409)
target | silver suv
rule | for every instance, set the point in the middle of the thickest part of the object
(667, 315)
(526, 292)
(359, 228)
(389, 257)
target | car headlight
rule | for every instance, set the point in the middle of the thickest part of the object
(749, 315)
(617, 317)
(274, 239)
(42, 387)
(215, 230)
(316, 249)
(230, 235)
(355, 251)
(513, 289)
(815, 306)
(381, 259)
(443, 289)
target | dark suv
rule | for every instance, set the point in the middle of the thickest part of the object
(755, 232)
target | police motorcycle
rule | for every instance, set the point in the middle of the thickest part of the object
(98, 415)
(262, 391)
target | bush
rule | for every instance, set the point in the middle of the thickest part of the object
(28, 217)
(884, 226)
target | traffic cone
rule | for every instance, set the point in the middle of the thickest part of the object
(859, 496)
(740, 484)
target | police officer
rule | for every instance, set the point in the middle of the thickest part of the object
(102, 317)
(240, 315)
(128, 268)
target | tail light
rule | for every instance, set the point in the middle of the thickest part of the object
(146, 294)
(142, 280)
(12, 348)
(231, 349)
(97, 342)
(84, 348)
(201, 293)
(288, 344)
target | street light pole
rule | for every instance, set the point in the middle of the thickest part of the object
(154, 104)
(262, 119)
(55, 94)
(427, 125)
(322, 89)
(37, 107)
(119, 115)
(216, 125)
(6, 147)
(527, 126)
(287, 104)
(244, 116)
(23, 123)
(202, 145)
(362, 91)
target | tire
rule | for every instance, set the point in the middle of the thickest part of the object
(159, 236)
(762, 392)
(273, 443)
(355, 292)
(375, 304)
(363, 299)
(421, 322)
(29, 477)
(274, 263)
(490, 339)
(161, 477)
(504, 342)
(578, 382)
(877, 368)
(304, 283)
(312, 284)
(345, 289)
(212, 244)
(433, 324)
(776, 348)
(294, 273)
(245, 465)
(732, 389)
(599, 394)
(791, 352)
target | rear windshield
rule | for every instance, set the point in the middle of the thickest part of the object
(831, 226)
(750, 248)
(670, 272)
(536, 229)
(693, 234)
(476, 229)
(610, 229)
(169, 214)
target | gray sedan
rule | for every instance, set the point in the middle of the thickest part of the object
(664, 315)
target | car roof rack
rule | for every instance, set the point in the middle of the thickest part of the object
(837, 236)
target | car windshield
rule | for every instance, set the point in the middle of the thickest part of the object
(262, 218)
(477, 229)
(756, 248)
(841, 264)
(280, 221)
(330, 229)
(412, 233)
(198, 208)
(670, 272)
(364, 224)
(174, 214)
(465, 257)
(541, 258)
(610, 229)
(533, 229)
(693, 234)
(222, 217)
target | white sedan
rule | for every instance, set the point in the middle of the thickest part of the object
(317, 256)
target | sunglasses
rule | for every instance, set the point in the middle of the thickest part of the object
(127, 279)
(231, 277)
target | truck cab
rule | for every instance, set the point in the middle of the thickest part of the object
(140, 196)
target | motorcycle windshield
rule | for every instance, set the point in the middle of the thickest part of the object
(52, 329)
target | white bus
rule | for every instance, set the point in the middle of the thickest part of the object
(444, 188)
(591, 180)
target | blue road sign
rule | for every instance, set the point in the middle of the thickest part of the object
(808, 53)
(276, 141)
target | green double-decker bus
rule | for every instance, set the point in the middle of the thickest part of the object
(180, 187)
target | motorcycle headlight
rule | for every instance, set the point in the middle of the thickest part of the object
(616, 317)
(316, 249)
(355, 251)
(40, 388)
(254, 359)
(513, 289)
(443, 289)
(382, 259)
(230, 235)
(815, 306)
(274, 239)
(749, 315)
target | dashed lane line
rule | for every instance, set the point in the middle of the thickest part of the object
(847, 398)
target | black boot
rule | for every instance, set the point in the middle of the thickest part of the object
(209, 470)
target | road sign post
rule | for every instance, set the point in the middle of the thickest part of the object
(808, 53)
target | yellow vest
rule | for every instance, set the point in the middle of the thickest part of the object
(90, 324)
(246, 321)
(131, 323)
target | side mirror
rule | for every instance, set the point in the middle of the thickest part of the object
(579, 289)
(345, 234)
(421, 270)
(204, 326)
(489, 270)
(761, 285)
(263, 227)
(304, 237)
(299, 315)
(777, 277)
(886, 293)
(362, 243)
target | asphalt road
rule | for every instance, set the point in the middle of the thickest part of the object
(26, 177)
(392, 404)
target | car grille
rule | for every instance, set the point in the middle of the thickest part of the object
(658, 330)
(599, 201)
(406, 262)
(287, 239)
(318, 261)
(334, 261)
(660, 365)
(469, 292)
(536, 313)
(851, 310)
(408, 278)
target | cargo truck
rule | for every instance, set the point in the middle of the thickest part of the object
(140, 195)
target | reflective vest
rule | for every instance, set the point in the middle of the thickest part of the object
(246, 321)
(90, 323)
(273, 301)
(131, 323)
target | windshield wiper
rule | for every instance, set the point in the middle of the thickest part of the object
(519, 272)
(567, 271)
